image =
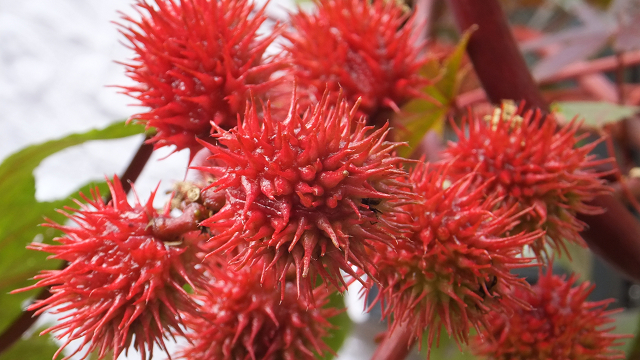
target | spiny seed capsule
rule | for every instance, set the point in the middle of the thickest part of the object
(123, 285)
(294, 192)
(196, 62)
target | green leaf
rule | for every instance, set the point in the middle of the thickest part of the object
(22, 213)
(626, 323)
(594, 113)
(421, 115)
(341, 324)
(579, 260)
(35, 347)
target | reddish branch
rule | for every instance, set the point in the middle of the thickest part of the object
(575, 70)
(136, 165)
(168, 228)
(395, 345)
(495, 54)
(614, 235)
(632, 190)
(609, 63)
(21, 324)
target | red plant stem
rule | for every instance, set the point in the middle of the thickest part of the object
(609, 63)
(614, 235)
(21, 324)
(579, 69)
(136, 165)
(170, 228)
(396, 345)
(632, 190)
(495, 54)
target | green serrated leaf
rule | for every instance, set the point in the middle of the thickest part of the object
(594, 113)
(421, 115)
(341, 324)
(34, 347)
(22, 213)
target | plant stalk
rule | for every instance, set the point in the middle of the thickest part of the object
(396, 344)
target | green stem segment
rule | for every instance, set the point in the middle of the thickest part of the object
(21, 324)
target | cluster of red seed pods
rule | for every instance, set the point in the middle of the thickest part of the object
(298, 198)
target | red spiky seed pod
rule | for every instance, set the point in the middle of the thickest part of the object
(366, 48)
(308, 192)
(243, 317)
(561, 325)
(533, 163)
(121, 282)
(456, 266)
(196, 61)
